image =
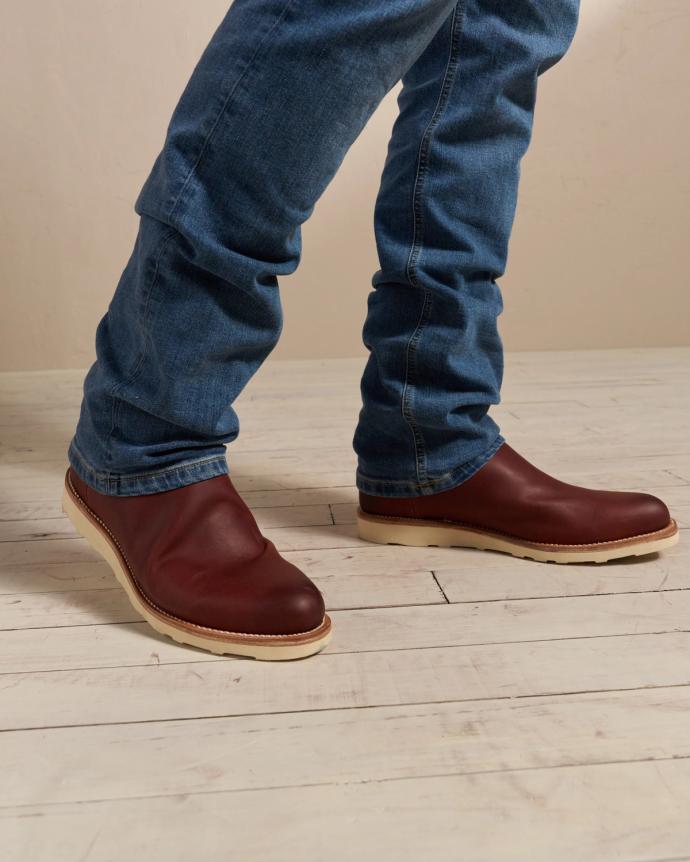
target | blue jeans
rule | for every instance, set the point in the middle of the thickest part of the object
(280, 94)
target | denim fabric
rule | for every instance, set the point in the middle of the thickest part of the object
(280, 94)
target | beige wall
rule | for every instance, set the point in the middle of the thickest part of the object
(599, 252)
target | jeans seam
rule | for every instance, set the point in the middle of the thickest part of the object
(425, 146)
(224, 104)
(138, 365)
(416, 246)
(408, 386)
(127, 477)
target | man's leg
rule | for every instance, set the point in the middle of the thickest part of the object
(433, 468)
(280, 94)
(443, 219)
(283, 89)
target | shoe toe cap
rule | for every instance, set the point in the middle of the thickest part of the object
(287, 602)
(297, 610)
(648, 514)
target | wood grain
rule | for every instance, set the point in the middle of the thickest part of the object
(470, 707)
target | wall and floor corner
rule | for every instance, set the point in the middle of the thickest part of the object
(598, 252)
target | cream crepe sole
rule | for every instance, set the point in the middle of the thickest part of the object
(387, 530)
(263, 647)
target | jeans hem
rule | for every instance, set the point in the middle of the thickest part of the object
(134, 485)
(412, 488)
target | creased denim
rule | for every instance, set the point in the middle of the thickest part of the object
(280, 94)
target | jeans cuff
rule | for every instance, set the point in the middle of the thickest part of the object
(413, 488)
(133, 485)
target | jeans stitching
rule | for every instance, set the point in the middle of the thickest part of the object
(167, 470)
(125, 477)
(151, 482)
(425, 146)
(450, 478)
(408, 387)
(417, 241)
(146, 319)
(192, 171)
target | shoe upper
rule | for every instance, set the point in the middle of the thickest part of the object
(508, 495)
(197, 554)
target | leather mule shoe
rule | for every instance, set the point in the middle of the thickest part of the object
(509, 505)
(196, 567)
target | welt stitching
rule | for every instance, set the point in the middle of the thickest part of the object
(224, 105)
(148, 601)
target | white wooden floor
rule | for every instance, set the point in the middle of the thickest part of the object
(470, 707)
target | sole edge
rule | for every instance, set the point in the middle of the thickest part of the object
(401, 531)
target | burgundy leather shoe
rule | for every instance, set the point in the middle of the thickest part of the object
(196, 567)
(509, 505)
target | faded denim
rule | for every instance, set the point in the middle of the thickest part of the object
(280, 94)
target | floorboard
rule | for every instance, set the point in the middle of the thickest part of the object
(470, 706)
